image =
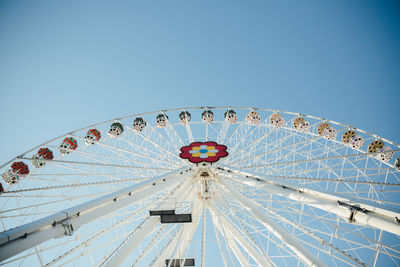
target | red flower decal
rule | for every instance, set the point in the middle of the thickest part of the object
(208, 151)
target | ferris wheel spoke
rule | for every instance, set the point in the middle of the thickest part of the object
(181, 231)
(313, 159)
(163, 140)
(137, 155)
(178, 246)
(345, 160)
(162, 150)
(312, 228)
(96, 158)
(249, 131)
(251, 146)
(223, 131)
(103, 146)
(32, 252)
(340, 178)
(173, 135)
(370, 214)
(280, 233)
(313, 138)
(343, 180)
(275, 143)
(122, 251)
(360, 235)
(150, 155)
(243, 237)
(93, 172)
(219, 244)
(269, 238)
(189, 132)
(11, 247)
(360, 172)
(309, 232)
(187, 237)
(231, 245)
(315, 237)
(102, 164)
(179, 189)
(151, 244)
(170, 245)
(235, 133)
(73, 185)
(294, 190)
(98, 247)
(203, 236)
(308, 141)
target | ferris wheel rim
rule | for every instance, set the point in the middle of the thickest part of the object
(264, 124)
(203, 108)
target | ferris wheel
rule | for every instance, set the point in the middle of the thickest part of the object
(204, 186)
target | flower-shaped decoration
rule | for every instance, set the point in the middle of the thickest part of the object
(198, 152)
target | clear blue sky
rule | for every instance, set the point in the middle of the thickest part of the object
(68, 64)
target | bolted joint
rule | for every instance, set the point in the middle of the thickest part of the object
(352, 218)
(69, 229)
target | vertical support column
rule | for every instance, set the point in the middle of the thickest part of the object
(124, 250)
(305, 255)
(229, 239)
(21, 238)
(353, 210)
(203, 240)
(178, 244)
(240, 237)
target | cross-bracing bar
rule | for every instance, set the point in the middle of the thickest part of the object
(123, 251)
(21, 238)
(355, 211)
(178, 245)
(305, 255)
(240, 237)
(229, 240)
(126, 248)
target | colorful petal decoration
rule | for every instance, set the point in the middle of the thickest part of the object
(198, 152)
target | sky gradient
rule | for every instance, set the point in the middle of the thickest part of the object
(67, 64)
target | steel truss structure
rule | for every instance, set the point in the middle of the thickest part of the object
(284, 196)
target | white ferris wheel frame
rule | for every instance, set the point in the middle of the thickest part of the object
(66, 222)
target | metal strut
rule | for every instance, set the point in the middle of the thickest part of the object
(355, 211)
(305, 255)
(21, 238)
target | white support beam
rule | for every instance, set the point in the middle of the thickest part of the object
(280, 233)
(354, 211)
(203, 237)
(192, 227)
(65, 222)
(178, 244)
(143, 230)
(123, 251)
(241, 238)
(159, 261)
(228, 237)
